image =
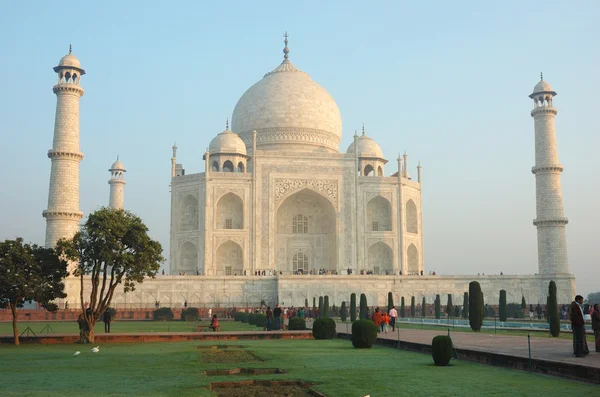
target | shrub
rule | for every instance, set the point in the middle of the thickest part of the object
(314, 304)
(502, 305)
(306, 303)
(465, 312)
(437, 306)
(475, 306)
(449, 306)
(402, 309)
(325, 306)
(413, 309)
(320, 306)
(364, 334)
(343, 312)
(514, 310)
(244, 317)
(297, 324)
(423, 308)
(390, 301)
(251, 319)
(441, 350)
(523, 303)
(364, 313)
(353, 307)
(324, 328)
(552, 310)
(260, 320)
(162, 314)
(190, 314)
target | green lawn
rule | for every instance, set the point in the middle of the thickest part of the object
(337, 369)
(61, 327)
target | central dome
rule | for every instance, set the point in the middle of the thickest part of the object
(289, 111)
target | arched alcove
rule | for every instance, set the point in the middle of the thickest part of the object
(189, 214)
(412, 220)
(230, 259)
(381, 257)
(188, 259)
(230, 212)
(379, 215)
(413, 259)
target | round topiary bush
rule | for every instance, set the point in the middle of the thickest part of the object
(260, 320)
(190, 314)
(297, 324)
(441, 350)
(324, 328)
(364, 334)
(162, 314)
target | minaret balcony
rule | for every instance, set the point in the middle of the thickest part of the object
(63, 153)
(551, 168)
(558, 221)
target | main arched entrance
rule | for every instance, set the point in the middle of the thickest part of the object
(306, 235)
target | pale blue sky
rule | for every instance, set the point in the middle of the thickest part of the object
(445, 81)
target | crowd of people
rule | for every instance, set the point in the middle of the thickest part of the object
(321, 271)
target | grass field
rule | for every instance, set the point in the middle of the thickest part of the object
(62, 327)
(335, 368)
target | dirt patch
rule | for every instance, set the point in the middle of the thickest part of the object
(227, 356)
(264, 388)
(220, 347)
(245, 371)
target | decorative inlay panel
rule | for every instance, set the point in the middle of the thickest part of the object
(329, 188)
(220, 191)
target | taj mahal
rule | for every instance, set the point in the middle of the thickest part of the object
(282, 214)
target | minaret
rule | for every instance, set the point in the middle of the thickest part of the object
(117, 185)
(174, 161)
(550, 220)
(63, 214)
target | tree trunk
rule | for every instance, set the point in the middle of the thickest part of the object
(87, 334)
(13, 309)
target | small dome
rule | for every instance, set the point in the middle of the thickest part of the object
(367, 147)
(117, 166)
(227, 142)
(542, 87)
(69, 60)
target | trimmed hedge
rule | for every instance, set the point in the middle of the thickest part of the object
(441, 350)
(364, 334)
(465, 312)
(502, 306)
(243, 317)
(343, 312)
(251, 319)
(163, 314)
(353, 307)
(297, 324)
(364, 312)
(552, 310)
(436, 305)
(475, 306)
(324, 328)
(260, 320)
(190, 314)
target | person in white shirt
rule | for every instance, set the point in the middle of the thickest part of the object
(393, 316)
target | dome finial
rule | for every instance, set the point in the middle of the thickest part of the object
(363, 129)
(70, 48)
(286, 50)
(227, 123)
(117, 157)
(541, 76)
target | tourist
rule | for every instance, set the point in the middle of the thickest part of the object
(214, 324)
(209, 313)
(377, 318)
(393, 317)
(107, 319)
(580, 348)
(385, 323)
(301, 313)
(596, 326)
(269, 314)
(277, 317)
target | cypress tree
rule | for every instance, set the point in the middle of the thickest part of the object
(320, 307)
(363, 307)
(502, 306)
(465, 312)
(325, 307)
(437, 306)
(552, 310)
(475, 306)
(353, 307)
(412, 306)
(449, 306)
(314, 305)
(390, 301)
(423, 308)
(402, 310)
(343, 311)
(523, 303)
(306, 303)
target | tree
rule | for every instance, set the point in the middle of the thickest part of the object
(475, 306)
(364, 313)
(552, 310)
(314, 305)
(306, 303)
(402, 309)
(593, 297)
(353, 307)
(502, 306)
(449, 306)
(113, 248)
(523, 303)
(325, 306)
(343, 311)
(423, 308)
(465, 312)
(320, 307)
(437, 306)
(390, 301)
(412, 306)
(29, 273)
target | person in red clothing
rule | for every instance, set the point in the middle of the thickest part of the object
(377, 318)
(214, 324)
(385, 323)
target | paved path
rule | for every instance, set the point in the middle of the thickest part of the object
(552, 349)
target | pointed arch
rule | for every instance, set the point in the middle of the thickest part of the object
(369, 171)
(228, 166)
(230, 212)
(379, 214)
(381, 257)
(300, 263)
(230, 259)
(413, 259)
(412, 219)
(188, 258)
(189, 214)
(240, 167)
(215, 166)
